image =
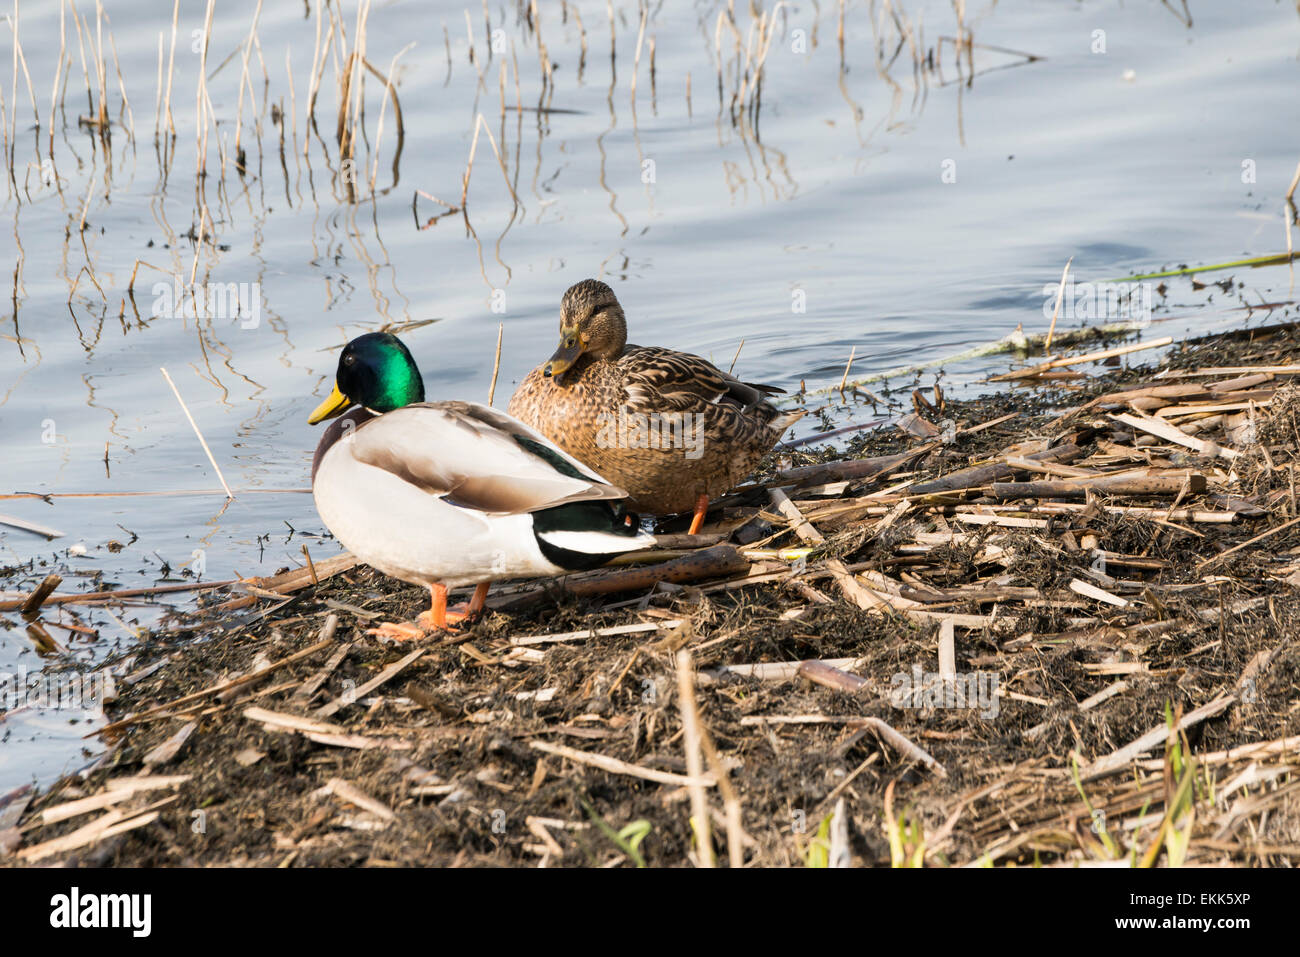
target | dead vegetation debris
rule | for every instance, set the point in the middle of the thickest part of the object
(1048, 632)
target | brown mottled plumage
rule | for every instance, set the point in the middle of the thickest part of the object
(666, 426)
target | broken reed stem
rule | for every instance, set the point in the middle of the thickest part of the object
(136, 268)
(397, 111)
(20, 59)
(1289, 216)
(853, 351)
(732, 367)
(204, 216)
(496, 364)
(201, 121)
(636, 60)
(121, 83)
(481, 123)
(202, 441)
(157, 102)
(243, 80)
(171, 66)
(694, 760)
(313, 79)
(350, 98)
(315, 579)
(58, 69)
(101, 70)
(1060, 294)
(730, 802)
(87, 270)
(79, 22)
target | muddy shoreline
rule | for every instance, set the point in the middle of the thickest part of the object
(1098, 581)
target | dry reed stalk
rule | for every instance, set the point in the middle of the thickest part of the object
(397, 111)
(481, 124)
(194, 425)
(853, 351)
(543, 57)
(613, 44)
(702, 826)
(730, 801)
(89, 272)
(313, 78)
(157, 102)
(732, 367)
(5, 126)
(243, 80)
(1060, 294)
(101, 72)
(121, 83)
(496, 363)
(616, 766)
(514, 65)
(85, 210)
(171, 66)
(352, 90)
(204, 216)
(58, 69)
(293, 96)
(19, 58)
(136, 268)
(446, 42)
(201, 123)
(501, 92)
(582, 42)
(79, 23)
(636, 60)
(1289, 216)
(717, 53)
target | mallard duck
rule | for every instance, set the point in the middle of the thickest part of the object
(447, 494)
(669, 427)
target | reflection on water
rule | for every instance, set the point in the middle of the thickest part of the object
(234, 194)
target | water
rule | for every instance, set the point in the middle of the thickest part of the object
(912, 223)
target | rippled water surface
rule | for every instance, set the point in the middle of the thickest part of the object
(868, 195)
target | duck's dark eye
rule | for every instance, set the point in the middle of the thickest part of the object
(349, 359)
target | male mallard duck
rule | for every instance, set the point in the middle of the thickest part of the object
(669, 427)
(446, 494)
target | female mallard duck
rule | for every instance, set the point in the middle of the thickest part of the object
(446, 494)
(667, 426)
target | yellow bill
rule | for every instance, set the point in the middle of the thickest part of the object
(336, 404)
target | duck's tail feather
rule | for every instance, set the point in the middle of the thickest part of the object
(784, 420)
(582, 535)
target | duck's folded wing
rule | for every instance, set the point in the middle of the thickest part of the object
(477, 458)
(665, 380)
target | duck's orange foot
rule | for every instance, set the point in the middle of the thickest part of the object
(399, 631)
(430, 620)
(701, 509)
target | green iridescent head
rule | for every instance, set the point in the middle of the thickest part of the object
(376, 371)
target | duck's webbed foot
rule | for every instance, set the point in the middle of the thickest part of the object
(398, 631)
